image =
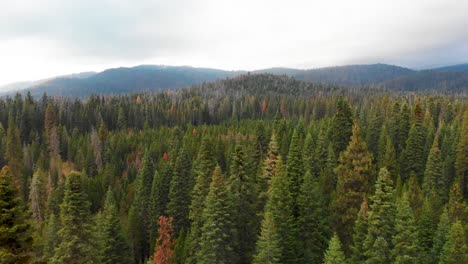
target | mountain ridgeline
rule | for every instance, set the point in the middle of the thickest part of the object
(151, 78)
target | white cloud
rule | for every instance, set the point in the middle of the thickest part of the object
(39, 39)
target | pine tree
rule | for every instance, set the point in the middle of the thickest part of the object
(308, 156)
(158, 199)
(342, 125)
(413, 156)
(455, 248)
(243, 196)
(402, 129)
(334, 253)
(381, 252)
(381, 219)
(115, 246)
(269, 169)
(440, 236)
(405, 239)
(389, 160)
(268, 244)
(461, 162)
(15, 230)
(51, 237)
(457, 209)
(14, 156)
(295, 169)
(203, 170)
(164, 251)
(354, 173)
(217, 236)
(138, 216)
(280, 206)
(179, 193)
(360, 233)
(426, 230)
(77, 239)
(312, 223)
(433, 182)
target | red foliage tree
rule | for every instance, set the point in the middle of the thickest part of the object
(264, 106)
(166, 156)
(164, 249)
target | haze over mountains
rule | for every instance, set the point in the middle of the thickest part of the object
(157, 78)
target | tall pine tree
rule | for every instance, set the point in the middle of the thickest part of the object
(354, 172)
(15, 230)
(77, 236)
(218, 231)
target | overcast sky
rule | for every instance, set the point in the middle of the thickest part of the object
(44, 38)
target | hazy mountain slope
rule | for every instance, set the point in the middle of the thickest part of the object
(456, 68)
(128, 80)
(354, 75)
(431, 80)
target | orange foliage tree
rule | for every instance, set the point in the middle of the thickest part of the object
(164, 249)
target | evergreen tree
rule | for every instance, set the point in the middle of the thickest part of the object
(426, 230)
(14, 156)
(269, 243)
(402, 129)
(388, 159)
(242, 190)
(158, 199)
(308, 156)
(405, 239)
(217, 236)
(312, 222)
(115, 246)
(77, 239)
(457, 209)
(461, 162)
(341, 127)
(381, 219)
(413, 157)
(354, 173)
(179, 193)
(454, 250)
(334, 253)
(51, 236)
(15, 230)
(280, 206)
(433, 182)
(360, 233)
(295, 169)
(203, 170)
(440, 236)
(269, 169)
(138, 217)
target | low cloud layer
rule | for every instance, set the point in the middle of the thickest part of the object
(50, 37)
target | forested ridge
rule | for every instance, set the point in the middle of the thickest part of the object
(252, 169)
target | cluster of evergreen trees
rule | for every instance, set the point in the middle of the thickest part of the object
(239, 171)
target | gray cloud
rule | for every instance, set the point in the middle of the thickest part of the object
(237, 34)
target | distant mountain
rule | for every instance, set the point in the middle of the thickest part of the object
(128, 80)
(146, 78)
(430, 80)
(354, 75)
(453, 68)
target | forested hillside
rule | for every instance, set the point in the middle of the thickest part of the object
(253, 169)
(153, 78)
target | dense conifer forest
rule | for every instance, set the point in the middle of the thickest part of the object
(253, 169)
